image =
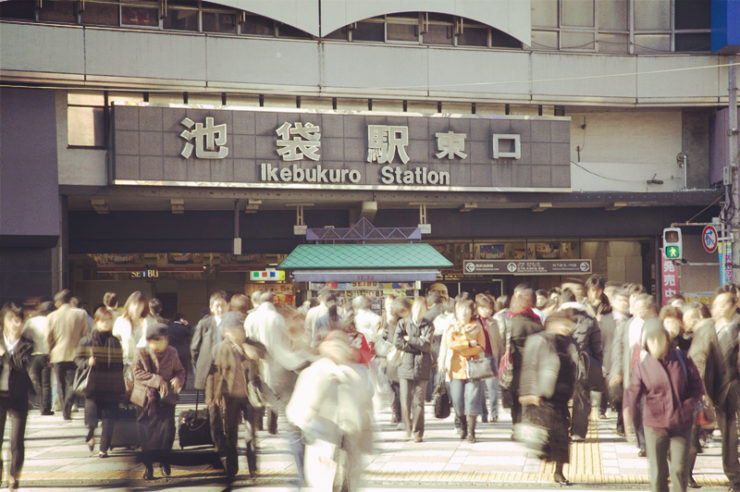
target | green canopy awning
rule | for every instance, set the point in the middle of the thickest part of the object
(364, 256)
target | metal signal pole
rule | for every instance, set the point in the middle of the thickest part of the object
(732, 134)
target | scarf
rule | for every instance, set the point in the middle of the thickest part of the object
(525, 312)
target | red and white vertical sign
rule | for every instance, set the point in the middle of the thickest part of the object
(671, 279)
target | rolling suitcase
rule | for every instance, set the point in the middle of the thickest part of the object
(193, 427)
(125, 432)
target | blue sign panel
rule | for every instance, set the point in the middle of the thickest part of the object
(726, 26)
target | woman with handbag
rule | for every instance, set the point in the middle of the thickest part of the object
(466, 340)
(15, 384)
(548, 377)
(672, 389)
(413, 338)
(100, 363)
(158, 378)
(386, 355)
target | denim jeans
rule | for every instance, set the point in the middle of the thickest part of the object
(465, 396)
(491, 392)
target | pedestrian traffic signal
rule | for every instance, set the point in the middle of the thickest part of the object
(672, 243)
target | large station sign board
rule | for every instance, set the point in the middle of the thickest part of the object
(169, 146)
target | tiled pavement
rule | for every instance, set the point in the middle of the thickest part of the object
(56, 455)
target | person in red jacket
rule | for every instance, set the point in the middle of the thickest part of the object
(672, 388)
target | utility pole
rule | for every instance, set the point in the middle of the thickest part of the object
(732, 133)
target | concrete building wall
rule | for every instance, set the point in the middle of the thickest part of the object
(622, 150)
(310, 67)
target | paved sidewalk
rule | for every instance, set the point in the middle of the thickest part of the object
(57, 456)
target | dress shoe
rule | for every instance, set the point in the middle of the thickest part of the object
(560, 479)
(417, 439)
(102, 454)
(692, 483)
(642, 453)
(47, 412)
(91, 444)
(13, 483)
(577, 438)
(148, 473)
(165, 469)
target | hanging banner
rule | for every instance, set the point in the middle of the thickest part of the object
(671, 284)
(724, 250)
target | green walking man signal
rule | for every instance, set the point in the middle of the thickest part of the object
(672, 243)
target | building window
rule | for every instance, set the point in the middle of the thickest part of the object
(58, 11)
(369, 30)
(402, 27)
(286, 31)
(473, 34)
(182, 16)
(141, 13)
(224, 22)
(439, 29)
(100, 13)
(86, 120)
(342, 34)
(258, 26)
(17, 9)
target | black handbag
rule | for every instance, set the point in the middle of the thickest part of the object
(441, 401)
(476, 369)
(591, 372)
(83, 382)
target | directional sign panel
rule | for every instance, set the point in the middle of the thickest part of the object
(527, 267)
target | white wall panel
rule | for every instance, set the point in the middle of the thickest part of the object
(378, 69)
(478, 72)
(40, 48)
(511, 16)
(146, 55)
(621, 150)
(665, 78)
(578, 76)
(234, 60)
(77, 166)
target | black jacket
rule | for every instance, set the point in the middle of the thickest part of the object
(416, 353)
(19, 383)
(107, 373)
(519, 328)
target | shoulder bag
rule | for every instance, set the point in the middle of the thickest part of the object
(506, 364)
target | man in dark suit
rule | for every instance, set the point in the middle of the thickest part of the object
(208, 335)
(15, 384)
(721, 362)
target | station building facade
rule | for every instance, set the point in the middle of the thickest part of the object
(174, 146)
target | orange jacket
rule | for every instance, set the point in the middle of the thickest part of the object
(458, 341)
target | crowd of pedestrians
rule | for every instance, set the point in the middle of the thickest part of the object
(321, 370)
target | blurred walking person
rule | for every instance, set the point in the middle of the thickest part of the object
(158, 378)
(102, 353)
(672, 388)
(520, 323)
(548, 378)
(332, 405)
(15, 357)
(413, 337)
(37, 330)
(67, 326)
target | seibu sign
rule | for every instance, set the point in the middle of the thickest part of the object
(197, 147)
